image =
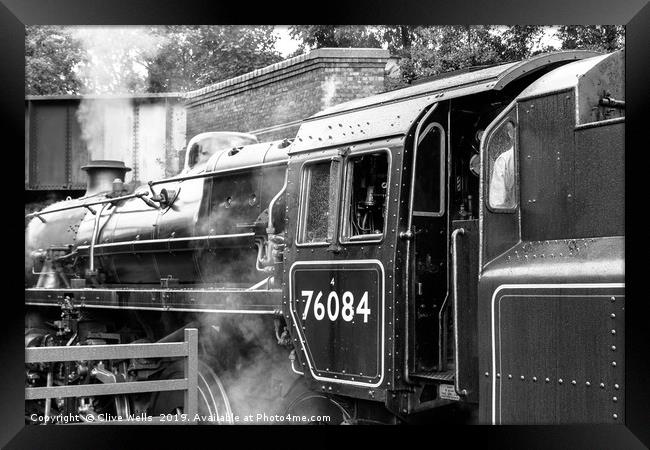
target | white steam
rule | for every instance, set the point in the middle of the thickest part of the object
(116, 64)
(117, 57)
(330, 86)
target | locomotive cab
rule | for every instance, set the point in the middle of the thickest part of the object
(382, 288)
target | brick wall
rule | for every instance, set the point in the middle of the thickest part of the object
(271, 102)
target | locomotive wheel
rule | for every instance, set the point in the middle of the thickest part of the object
(213, 401)
(314, 406)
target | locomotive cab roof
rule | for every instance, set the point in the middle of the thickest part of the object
(395, 111)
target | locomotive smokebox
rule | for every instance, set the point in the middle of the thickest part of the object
(102, 173)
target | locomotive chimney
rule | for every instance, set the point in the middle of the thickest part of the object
(102, 174)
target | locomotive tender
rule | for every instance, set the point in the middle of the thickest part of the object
(453, 250)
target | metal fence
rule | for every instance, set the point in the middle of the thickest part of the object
(188, 349)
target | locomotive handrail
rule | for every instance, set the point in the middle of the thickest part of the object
(154, 183)
(86, 205)
(454, 263)
(217, 172)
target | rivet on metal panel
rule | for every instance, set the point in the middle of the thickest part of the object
(615, 416)
(616, 386)
(613, 348)
(613, 363)
(613, 299)
(547, 380)
(614, 399)
(602, 385)
(522, 377)
(560, 381)
(612, 315)
(509, 376)
(588, 383)
(498, 375)
(613, 331)
(573, 382)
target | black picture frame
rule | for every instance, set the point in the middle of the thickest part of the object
(14, 14)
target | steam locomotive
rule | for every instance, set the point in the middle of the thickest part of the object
(449, 251)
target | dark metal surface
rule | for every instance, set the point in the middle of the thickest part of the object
(466, 310)
(560, 325)
(385, 250)
(547, 158)
(559, 355)
(350, 350)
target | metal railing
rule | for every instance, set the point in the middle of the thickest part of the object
(188, 349)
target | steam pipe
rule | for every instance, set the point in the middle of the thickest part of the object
(94, 238)
(259, 261)
(270, 229)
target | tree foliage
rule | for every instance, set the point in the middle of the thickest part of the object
(318, 36)
(96, 60)
(195, 56)
(51, 54)
(74, 60)
(604, 38)
(430, 50)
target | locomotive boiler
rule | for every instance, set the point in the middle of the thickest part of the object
(439, 252)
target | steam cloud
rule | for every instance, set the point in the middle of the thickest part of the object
(115, 64)
(255, 370)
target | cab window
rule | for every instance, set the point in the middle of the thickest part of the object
(318, 202)
(365, 197)
(501, 170)
(429, 191)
